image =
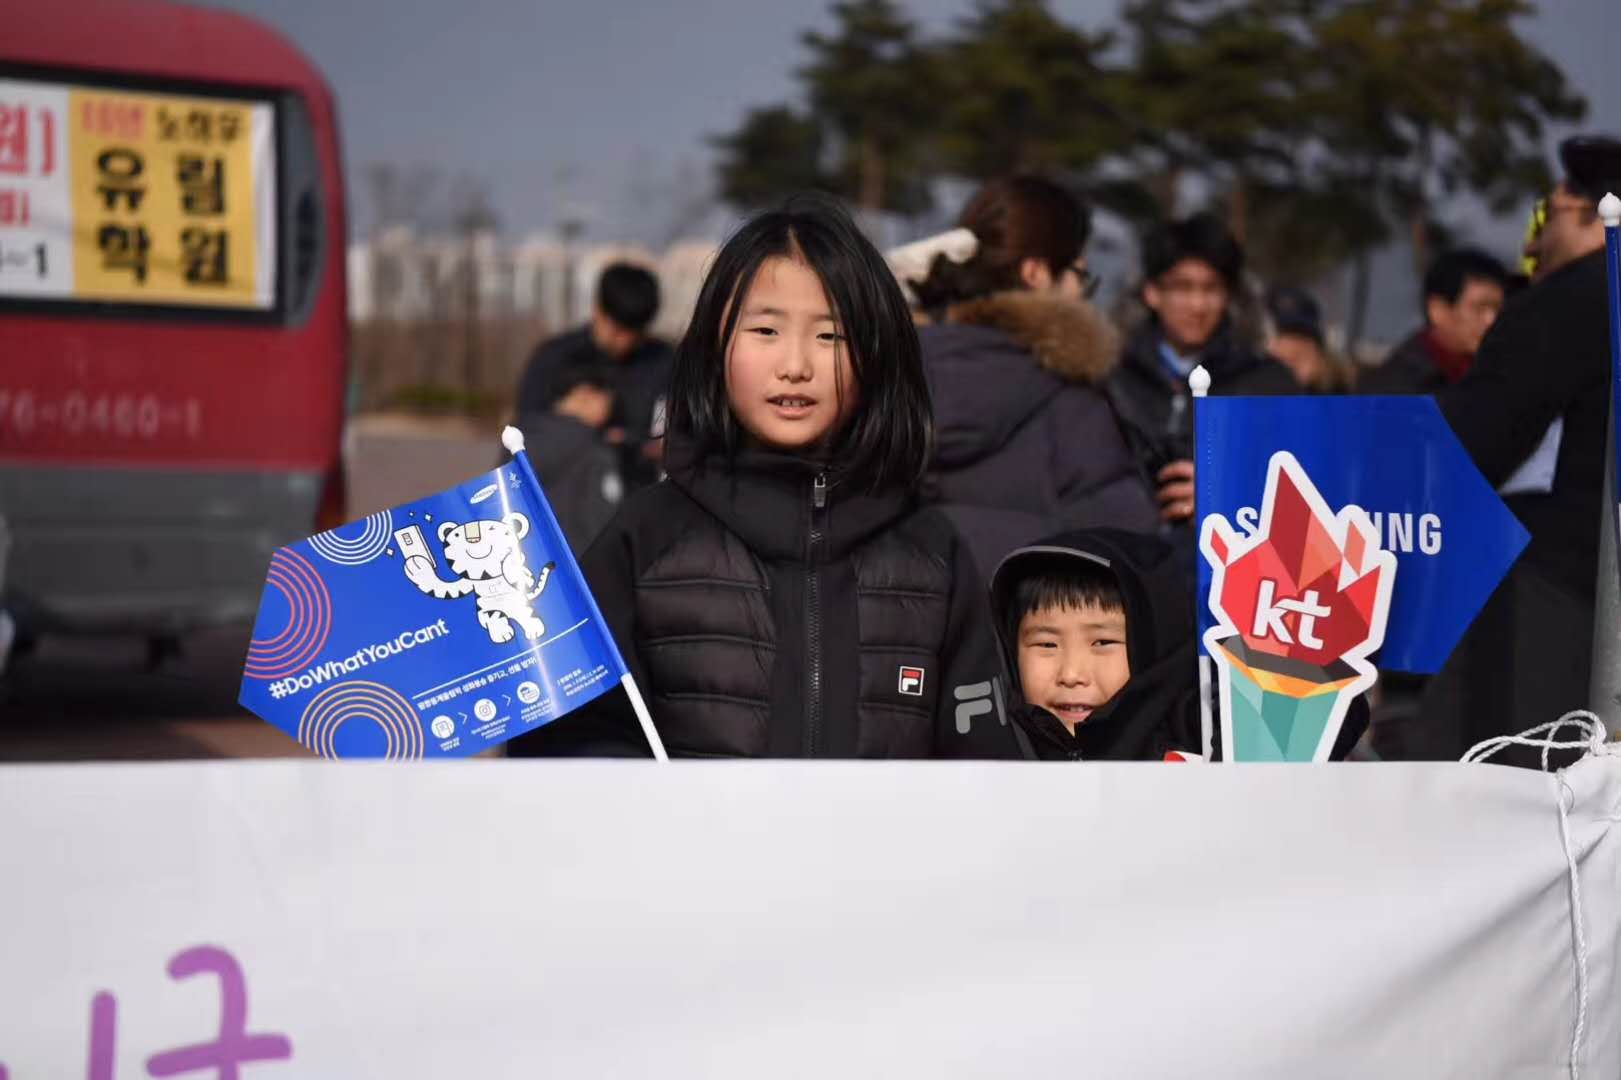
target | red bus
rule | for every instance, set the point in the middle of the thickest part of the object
(172, 311)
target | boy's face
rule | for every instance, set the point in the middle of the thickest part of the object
(1072, 660)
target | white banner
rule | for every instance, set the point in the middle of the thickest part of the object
(525, 919)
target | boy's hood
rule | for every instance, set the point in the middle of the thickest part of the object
(1158, 708)
(1153, 589)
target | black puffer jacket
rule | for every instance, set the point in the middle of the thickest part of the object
(1027, 443)
(766, 613)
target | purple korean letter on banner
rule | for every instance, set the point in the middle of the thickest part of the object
(439, 628)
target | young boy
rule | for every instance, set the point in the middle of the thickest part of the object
(1097, 628)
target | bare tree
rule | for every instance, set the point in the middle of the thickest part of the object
(472, 216)
(401, 194)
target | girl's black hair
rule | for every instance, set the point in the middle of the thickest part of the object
(886, 442)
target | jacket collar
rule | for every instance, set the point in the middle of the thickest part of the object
(766, 498)
(1068, 338)
(1222, 355)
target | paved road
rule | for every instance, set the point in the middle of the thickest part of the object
(94, 699)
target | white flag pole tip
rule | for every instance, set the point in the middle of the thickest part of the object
(512, 439)
(1199, 381)
(1609, 208)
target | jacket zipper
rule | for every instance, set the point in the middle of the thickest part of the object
(813, 620)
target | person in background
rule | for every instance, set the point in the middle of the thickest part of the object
(1295, 340)
(609, 375)
(1532, 413)
(1026, 440)
(1463, 292)
(591, 403)
(1192, 269)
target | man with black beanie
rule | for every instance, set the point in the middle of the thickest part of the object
(1532, 412)
(591, 404)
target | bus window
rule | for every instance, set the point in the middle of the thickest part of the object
(172, 312)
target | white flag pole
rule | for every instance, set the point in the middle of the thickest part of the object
(512, 439)
(1199, 385)
(1605, 685)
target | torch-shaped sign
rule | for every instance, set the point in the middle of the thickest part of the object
(1300, 603)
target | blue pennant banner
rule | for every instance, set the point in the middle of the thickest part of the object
(439, 628)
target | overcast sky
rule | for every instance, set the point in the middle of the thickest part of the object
(605, 105)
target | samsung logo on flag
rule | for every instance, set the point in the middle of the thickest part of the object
(333, 669)
(1401, 533)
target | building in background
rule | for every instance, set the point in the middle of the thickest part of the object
(447, 321)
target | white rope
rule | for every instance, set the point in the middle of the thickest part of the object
(1579, 923)
(1588, 722)
(1595, 743)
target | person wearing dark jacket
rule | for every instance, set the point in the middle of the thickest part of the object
(1532, 413)
(1097, 630)
(781, 594)
(1463, 292)
(1027, 442)
(591, 404)
(1295, 340)
(1191, 271)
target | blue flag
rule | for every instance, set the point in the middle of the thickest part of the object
(1397, 459)
(439, 628)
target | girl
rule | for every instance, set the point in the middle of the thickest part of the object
(779, 594)
(1029, 444)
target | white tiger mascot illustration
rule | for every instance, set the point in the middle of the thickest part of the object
(486, 559)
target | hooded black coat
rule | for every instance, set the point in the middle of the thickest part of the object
(766, 611)
(1027, 443)
(1158, 708)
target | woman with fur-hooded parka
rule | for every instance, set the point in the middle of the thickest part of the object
(1027, 442)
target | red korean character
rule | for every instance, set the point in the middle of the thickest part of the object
(13, 208)
(13, 139)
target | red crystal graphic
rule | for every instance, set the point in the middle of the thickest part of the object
(1293, 590)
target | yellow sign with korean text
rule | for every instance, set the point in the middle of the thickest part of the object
(119, 196)
(167, 197)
